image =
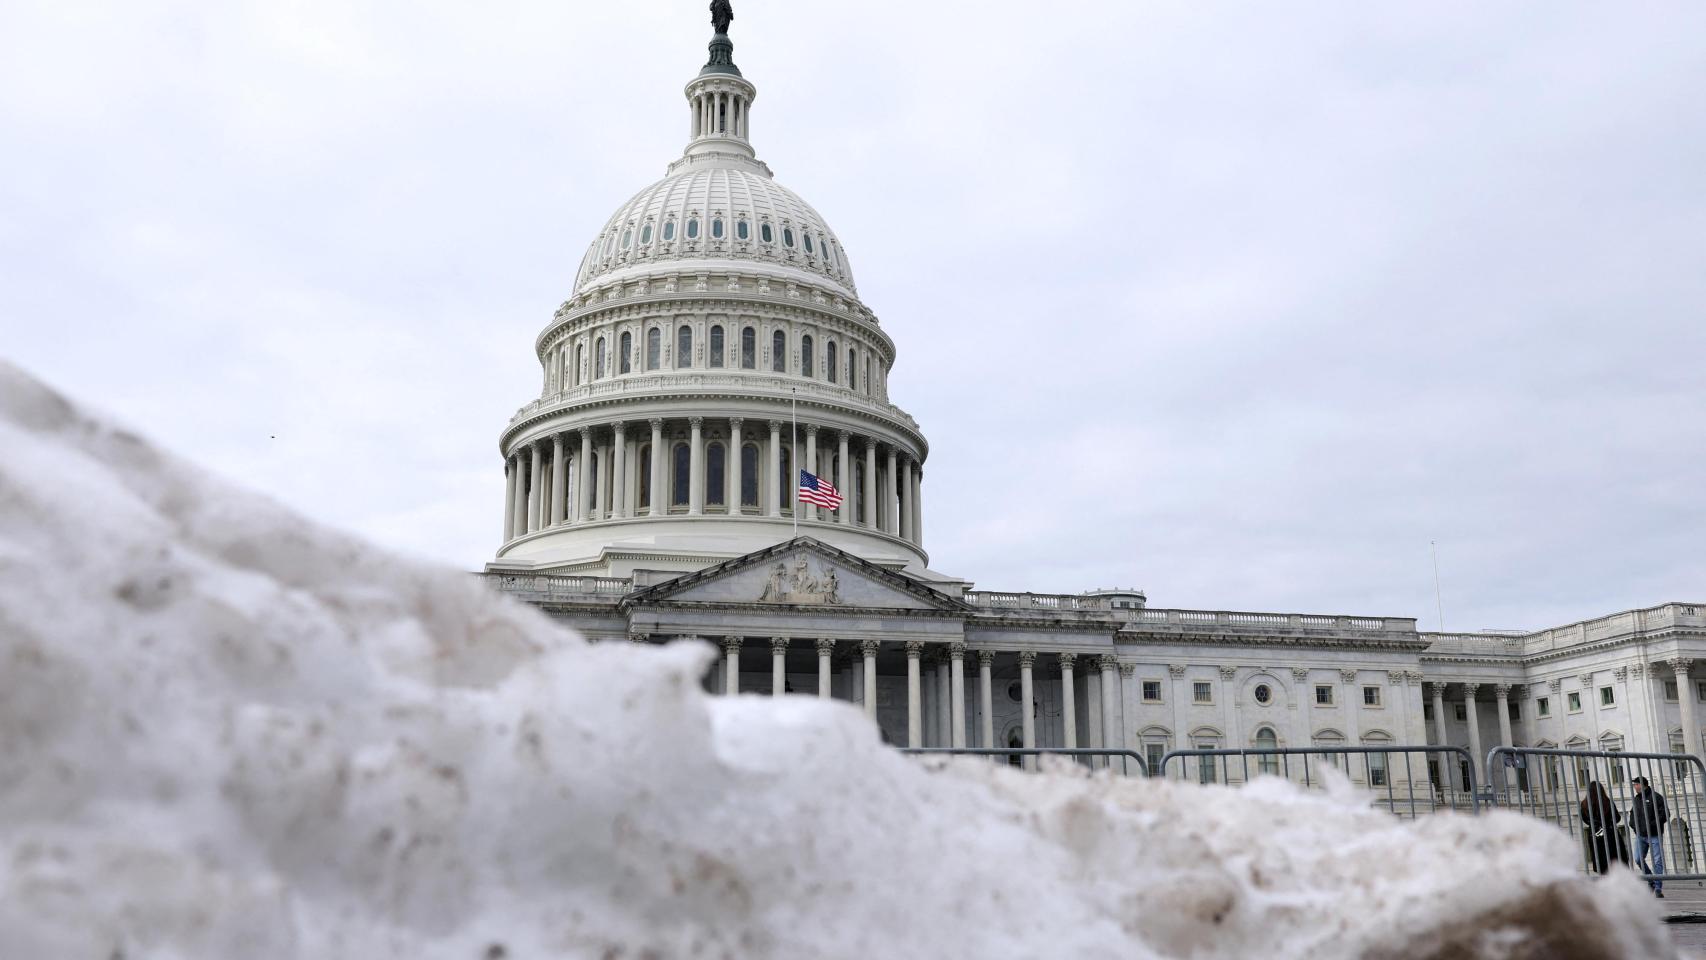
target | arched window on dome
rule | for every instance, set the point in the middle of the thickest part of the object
(829, 253)
(749, 475)
(580, 362)
(682, 474)
(852, 368)
(607, 242)
(867, 373)
(627, 235)
(692, 228)
(716, 228)
(624, 362)
(806, 364)
(716, 359)
(779, 352)
(785, 480)
(787, 236)
(668, 230)
(645, 234)
(808, 239)
(645, 498)
(684, 347)
(748, 348)
(598, 360)
(829, 362)
(742, 231)
(716, 474)
(765, 234)
(654, 348)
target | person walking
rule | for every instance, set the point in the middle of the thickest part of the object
(1648, 815)
(1600, 820)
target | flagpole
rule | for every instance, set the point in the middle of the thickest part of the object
(794, 406)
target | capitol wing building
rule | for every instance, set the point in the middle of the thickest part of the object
(715, 345)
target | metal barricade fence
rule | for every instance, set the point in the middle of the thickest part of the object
(1444, 779)
(1130, 763)
(1555, 785)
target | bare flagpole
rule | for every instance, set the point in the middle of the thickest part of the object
(794, 405)
(1439, 604)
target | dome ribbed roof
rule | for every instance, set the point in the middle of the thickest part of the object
(780, 229)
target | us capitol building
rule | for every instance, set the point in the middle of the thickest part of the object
(650, 497)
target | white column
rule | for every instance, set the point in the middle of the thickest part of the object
(1439, 722)
(512, 471)
(870, 516)
(533, 473)
(1092, 732)
(1502, 694)
(619, 471)
(944, 723)
(869, 649)
(659, 455)
(773, 486)
(1479, 764)
(1127, 718)
(956, 691)
(731, 490)
(1026, 711)
(696, 468)
(844, 513)
(914, 695)
(557, 478)
(583, 483)
(731, 665)
(891, 502)
(806, 510)
(904, 506)
(825, 649)
(1068, 702)
(1110, 706)
(985, 701)
(778, 666)
(1685, 699)
(918, 504)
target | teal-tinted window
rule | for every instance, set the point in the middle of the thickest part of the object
(669, 229)
(717, 228)
(765, 234)
(741, 230)
(645, 234)
(787, 237)
(693, 229)
(627, 235)
(808, 238)
(829, 362)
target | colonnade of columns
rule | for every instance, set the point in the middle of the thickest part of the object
(547, 480)
(719, 114)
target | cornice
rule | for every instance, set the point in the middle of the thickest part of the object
(644, 306)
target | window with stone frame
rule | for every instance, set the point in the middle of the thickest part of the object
(778, 352)
(1152, 754)
(716, 344)
(654, 348)
(829, 363)
(645, 501)
(1371, 696)
(625, 351)
(748, 348)
(683, 475)
(1607, 696)
(1670, 691)
(683, 347)
(1573, 701)
(1700, 690)
(1202, 691)
(1323, 694)
(1460, 712)
(716, 474)
(1543, 706)
(749, 475)
(1152, 691)
(808, 365)
(598, 360)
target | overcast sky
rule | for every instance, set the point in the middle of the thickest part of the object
(1242, 304)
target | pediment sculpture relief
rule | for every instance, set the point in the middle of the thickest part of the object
(799, 585)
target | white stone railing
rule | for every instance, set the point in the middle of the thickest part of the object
(1073, 602)
(1481, 644)
(1611, 627)
(771, 385)
(549, 586)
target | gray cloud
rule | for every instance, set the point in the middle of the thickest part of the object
(1241, 304)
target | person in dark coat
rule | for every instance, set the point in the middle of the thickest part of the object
(1648, 815)
(1600, 820)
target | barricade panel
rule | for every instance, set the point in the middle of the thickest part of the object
(1128, 762)
(1405, 780)
(1594, 795)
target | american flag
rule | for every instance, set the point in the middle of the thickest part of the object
(820, 492)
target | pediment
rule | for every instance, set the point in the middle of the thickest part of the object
(800, 573)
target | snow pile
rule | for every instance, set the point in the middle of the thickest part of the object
(226, 733)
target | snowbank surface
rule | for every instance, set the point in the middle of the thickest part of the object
(228, 733)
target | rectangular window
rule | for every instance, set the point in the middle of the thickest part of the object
(1152, 754)
(1607, 696)
(1515, 711)
(1670, 690)
(1377, 769)
(1205, 765)
(1201, 692)
(1152, 690)
(1462, 713)
(1543, 707)
(1324, 695)
(1700, 690)
(1573, 700)
(1371, 696)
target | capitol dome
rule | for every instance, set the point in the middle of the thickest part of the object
(722, 211)
(712, 358)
